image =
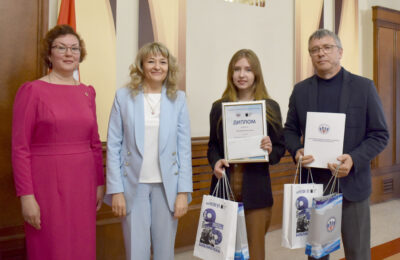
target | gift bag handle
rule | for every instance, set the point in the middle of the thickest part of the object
(334, 182)
(299, 170)
(228, 189)
(216, 189)
(225, 187)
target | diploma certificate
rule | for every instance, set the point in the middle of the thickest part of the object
(244, 126)
(324, 137)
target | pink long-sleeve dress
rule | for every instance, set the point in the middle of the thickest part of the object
(57, 156)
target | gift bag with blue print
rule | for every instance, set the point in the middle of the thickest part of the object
(216, 231)
(297, 201)
(326, 221)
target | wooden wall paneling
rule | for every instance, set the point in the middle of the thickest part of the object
(109, 237)
(281, 173)
(397, 102)
(386, 167)
(22, 26)
(385, 16)
(385, 184)
(202, 172)
(109, 232)
(386, 65)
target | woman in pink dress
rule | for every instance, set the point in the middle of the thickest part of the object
(57, 155)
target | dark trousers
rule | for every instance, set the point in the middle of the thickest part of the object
(356, 230)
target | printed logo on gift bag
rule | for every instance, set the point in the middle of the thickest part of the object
(330, 226)
(211, 233)
(302, 215)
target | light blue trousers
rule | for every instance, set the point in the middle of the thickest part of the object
(150, 223)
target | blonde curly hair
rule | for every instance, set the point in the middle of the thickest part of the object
(137, 74)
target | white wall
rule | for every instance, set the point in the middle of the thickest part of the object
(127, 30)
(215, 31)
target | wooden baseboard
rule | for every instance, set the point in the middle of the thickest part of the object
(383, 251)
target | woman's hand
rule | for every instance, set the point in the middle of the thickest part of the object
(99, 197)
(219, 168)
(181, 205)
(118, 204)
(266, 144)
(31, 210)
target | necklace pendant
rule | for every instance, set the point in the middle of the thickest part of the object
(152, 112)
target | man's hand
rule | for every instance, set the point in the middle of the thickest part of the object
(345, 166)
(305, 159)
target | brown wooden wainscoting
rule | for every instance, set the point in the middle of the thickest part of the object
(385, 183)
(110, 244)
(202, 172)
(23, 25)
(12, 243)
(109, 234)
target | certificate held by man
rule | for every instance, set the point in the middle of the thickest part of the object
(324, 137)
(244, 124)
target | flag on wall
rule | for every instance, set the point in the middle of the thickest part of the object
(67, 13)
(67, 16)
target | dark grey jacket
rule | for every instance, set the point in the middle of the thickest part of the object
(366, 133)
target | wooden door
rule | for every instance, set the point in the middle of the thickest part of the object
(386, 173)
(22, 25)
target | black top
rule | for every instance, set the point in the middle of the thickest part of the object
(256, 189)
(329, 93)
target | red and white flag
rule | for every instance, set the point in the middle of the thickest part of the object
(67, 16)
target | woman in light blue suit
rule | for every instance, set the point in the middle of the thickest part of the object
(149, 171)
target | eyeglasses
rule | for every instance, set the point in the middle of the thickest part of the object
(327, 49)
(63, 49)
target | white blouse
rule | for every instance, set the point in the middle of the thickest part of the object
(150, 171)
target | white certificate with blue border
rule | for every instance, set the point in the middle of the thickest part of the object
(245, 124)
(324, 137)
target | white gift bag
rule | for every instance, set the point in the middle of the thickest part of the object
(242, 245)
(297, 203)
(216, 232)
(326, 221)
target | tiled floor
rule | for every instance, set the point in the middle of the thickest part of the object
(385, 226)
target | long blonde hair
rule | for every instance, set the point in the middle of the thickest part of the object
(259, 90)
(136, 70)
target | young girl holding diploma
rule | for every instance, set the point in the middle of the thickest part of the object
(250, 182)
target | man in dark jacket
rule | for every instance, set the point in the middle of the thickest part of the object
(335, 90)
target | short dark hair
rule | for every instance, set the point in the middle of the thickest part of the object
(54, 33)
(321, 33)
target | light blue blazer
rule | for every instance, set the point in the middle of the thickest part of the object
(125, 146)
